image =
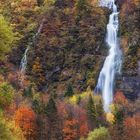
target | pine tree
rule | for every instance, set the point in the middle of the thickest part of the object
(69, 91)
(100, 113)
(91, 111)
(51, 109)
(54, 123)
(28, 91)
(118, 126)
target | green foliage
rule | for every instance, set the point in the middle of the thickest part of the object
(82, 5)
(47, 4)
(77, 98)
(50, 109)
(6, 94)
(40, 2)
(36, 106)
(118, 114)
(5, 130)
(28, 91)
(6, 37)
(99, 134)
(36, 103)
(91, 108)
(82, 8)
(69, 92)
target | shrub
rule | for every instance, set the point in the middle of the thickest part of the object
(6, 94)
(99, 134)
(6, 37)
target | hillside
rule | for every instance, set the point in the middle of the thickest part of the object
(55, 58)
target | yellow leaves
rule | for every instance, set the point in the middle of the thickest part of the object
(74, 99)
(137, 2)
(8, 130)
(110, 117)
(13, 4)
(37, 67)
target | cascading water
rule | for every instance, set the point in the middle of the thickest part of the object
(112, 64)
(23, 63)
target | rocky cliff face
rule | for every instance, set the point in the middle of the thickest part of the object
(130, 43)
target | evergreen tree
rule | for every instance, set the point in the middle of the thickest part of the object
(69, 91)
(100, 113)
(91, 111)
(51, 109)
(55, 129)
(28, 91)
(91, 108)
(36, 106)
(118, 126)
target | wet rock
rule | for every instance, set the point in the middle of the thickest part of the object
(130, 86)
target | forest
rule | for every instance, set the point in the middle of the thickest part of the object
(62, 77)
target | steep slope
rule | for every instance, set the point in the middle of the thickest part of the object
(69, 49)
(130, 43)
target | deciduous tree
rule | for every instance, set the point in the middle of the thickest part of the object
(70, 130)
(7, 37)
(25, 118)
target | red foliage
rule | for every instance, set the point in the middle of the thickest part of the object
(84, 129)
(70, 130)
(120, 98)
(132, 127)
(62, 109)
(81, 116)
(25, 118)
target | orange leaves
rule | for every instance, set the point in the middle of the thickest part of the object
(70, 130)
(75, 121)
(37, 66)
(84, 129)
(120, 99)
(132, 127)
(25, 118)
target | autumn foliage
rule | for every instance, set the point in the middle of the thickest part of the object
(70, 130)
(132, 127)
(25, 118)
(54, 99)
(120, 98)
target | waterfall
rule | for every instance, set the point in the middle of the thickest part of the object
(23, 63)
(112, 64)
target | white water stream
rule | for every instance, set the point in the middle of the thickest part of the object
(112, 64)
(23, 63)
